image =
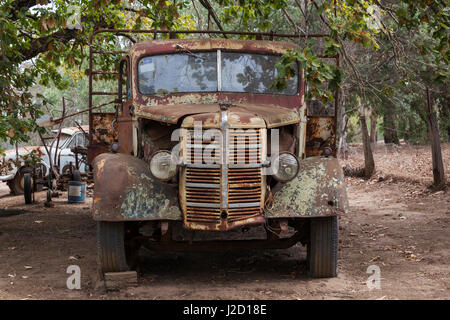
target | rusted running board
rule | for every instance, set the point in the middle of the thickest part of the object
(220, 245)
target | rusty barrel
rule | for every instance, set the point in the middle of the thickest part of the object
(76, 191)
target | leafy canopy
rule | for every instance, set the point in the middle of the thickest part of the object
(37, 39)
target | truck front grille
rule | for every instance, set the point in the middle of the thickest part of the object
(217, 199)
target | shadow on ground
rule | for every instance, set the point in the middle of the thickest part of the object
(240, 265)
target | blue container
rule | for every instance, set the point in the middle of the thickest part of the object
(76, 191)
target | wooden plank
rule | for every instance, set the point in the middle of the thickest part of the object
(120, 280)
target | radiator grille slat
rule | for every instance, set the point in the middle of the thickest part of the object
(245, 146)
(202, 151)
(203, 195)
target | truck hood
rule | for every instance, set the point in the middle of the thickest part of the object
(240, 115)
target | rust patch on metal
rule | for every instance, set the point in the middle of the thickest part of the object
(208, 120)
(104, 130)
(320, 133)
(245, 120)
(169, 45)
(103, 133)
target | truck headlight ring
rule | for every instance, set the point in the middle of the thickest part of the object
(285, 167)
(163, 165)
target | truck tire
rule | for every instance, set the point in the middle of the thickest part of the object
(323, 247)
(16, 185)
(113, 253)
(27, 188)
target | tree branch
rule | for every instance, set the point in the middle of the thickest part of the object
(342, 48)
(19, 5)
(288, 17)
(207, 5)
(139, 12)
(199, 19)
(305, 14)
(39, 45)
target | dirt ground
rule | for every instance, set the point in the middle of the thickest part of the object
(394, 222)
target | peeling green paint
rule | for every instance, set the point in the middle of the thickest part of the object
(125, 190)
(319, 189)
(143, 202)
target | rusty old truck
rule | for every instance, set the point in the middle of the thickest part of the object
(203, 153)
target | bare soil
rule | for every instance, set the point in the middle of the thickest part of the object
(395, 222)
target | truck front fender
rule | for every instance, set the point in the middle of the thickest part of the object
(318, 190)
(125, 190)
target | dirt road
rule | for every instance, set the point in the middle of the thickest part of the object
(395, 224)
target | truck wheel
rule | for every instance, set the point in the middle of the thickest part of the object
(323, 247)
(27, 188)
(16, 185)
(114, 254)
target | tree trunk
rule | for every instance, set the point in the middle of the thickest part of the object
(409, 133)
(390, 127)
(369, 163)
(342, 144)
(438, 166)
(373, 129)
(446, 114)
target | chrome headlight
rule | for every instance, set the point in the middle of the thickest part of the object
(285, 167)
(163, 165)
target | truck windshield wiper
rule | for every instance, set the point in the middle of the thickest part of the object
(180, 47)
